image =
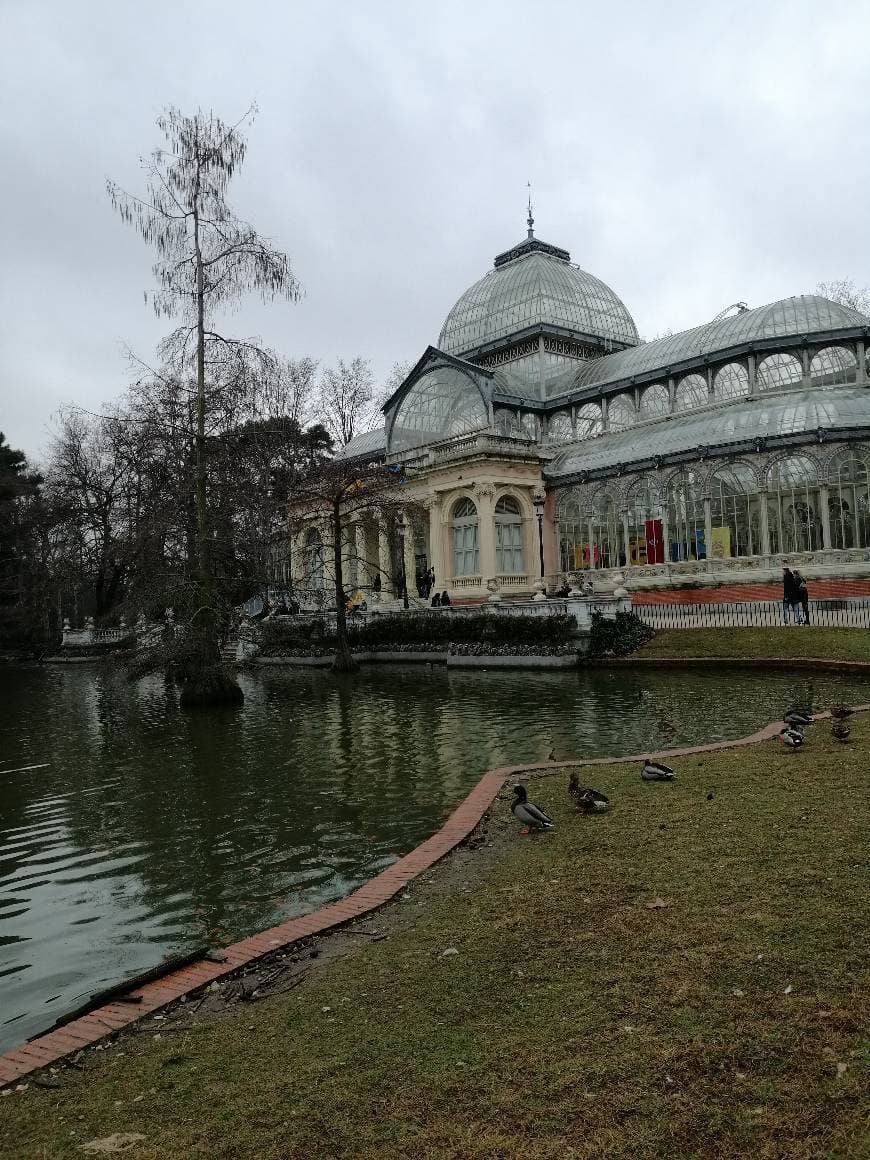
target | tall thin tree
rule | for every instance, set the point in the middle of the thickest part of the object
(207, 257)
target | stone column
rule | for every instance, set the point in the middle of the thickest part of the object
(437, 561)
(297, 559)
(346, 552)
(708, 528)
(826, 517)
(359, 546)
(709, 384)
(861, 356)
(385, 563)
(410, 561)
(805, 367)
(483, 498)
(671, 392)
(750, 366)
(591, 537)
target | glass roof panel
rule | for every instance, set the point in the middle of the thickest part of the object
(794, 413)
(805, 314)
(443, 402)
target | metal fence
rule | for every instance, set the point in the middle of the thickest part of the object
(853, 613)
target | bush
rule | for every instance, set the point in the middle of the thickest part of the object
(617, 637)
(424, 631)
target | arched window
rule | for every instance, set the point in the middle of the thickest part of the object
(559, 427)
(691, 392)
(442, 403)
(608, 549)
(849, 500)
(735, 508)
(313, 559)
(833, 365)
(529, 426)
(731, 382)
(589, 421)
(465, 549)
(778, 371)
(645, 525)
(508, 537)
(654, 401)
(573, 537)
(506, 422)
(793, 506)
(620, 413)
(686, 529)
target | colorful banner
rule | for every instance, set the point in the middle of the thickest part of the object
(720, 548)
(655, 542)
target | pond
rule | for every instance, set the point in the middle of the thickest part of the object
(141, 831)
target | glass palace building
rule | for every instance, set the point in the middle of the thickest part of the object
(701, 458)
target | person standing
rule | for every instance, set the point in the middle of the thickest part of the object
(790, 597)
(803, 595)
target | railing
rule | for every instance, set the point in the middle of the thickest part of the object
(853, 613)
(514, 580)
(466, 582)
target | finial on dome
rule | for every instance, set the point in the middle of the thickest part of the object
(530, 219)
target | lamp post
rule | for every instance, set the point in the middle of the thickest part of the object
(538, 502)
(400, 528)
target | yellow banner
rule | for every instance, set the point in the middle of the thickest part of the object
(720, 548)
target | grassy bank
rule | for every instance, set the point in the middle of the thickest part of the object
(847, 644)
(685, 976)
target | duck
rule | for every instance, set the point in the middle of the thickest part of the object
(591, 801)
(532, 816)
(840, 730)
(796, 718)
(841, 712)
(656, 771)
(791, 737)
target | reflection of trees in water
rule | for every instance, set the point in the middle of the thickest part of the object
(316, 780)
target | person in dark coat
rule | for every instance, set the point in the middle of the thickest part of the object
(790, 595)
(445, 600)
(803, 595)
(436, 601)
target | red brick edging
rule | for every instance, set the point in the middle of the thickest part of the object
(114, 1016)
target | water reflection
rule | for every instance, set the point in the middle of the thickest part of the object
(154, 831)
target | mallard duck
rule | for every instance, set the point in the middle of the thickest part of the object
(530, 815)
(591, 801)
(840, 730)
(791, 737)
(841, 712)
(795, 718)
(656, 771)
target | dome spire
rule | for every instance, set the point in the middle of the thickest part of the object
(530, 219)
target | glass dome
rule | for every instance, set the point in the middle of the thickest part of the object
(532, 285)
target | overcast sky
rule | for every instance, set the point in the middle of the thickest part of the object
(689, 154)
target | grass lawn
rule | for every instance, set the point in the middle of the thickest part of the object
(846, 644)
(682, 977)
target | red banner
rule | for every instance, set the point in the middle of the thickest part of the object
(655, 542)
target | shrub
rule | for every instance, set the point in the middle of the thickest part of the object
(617, 637)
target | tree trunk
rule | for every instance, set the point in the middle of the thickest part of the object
(344, 661)
(205, 679)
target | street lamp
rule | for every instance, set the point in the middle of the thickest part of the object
(401, 528)
(538, 502)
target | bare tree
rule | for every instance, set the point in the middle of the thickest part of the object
(339, 490)
(345, 397)
(207, 257)
(847, 293)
